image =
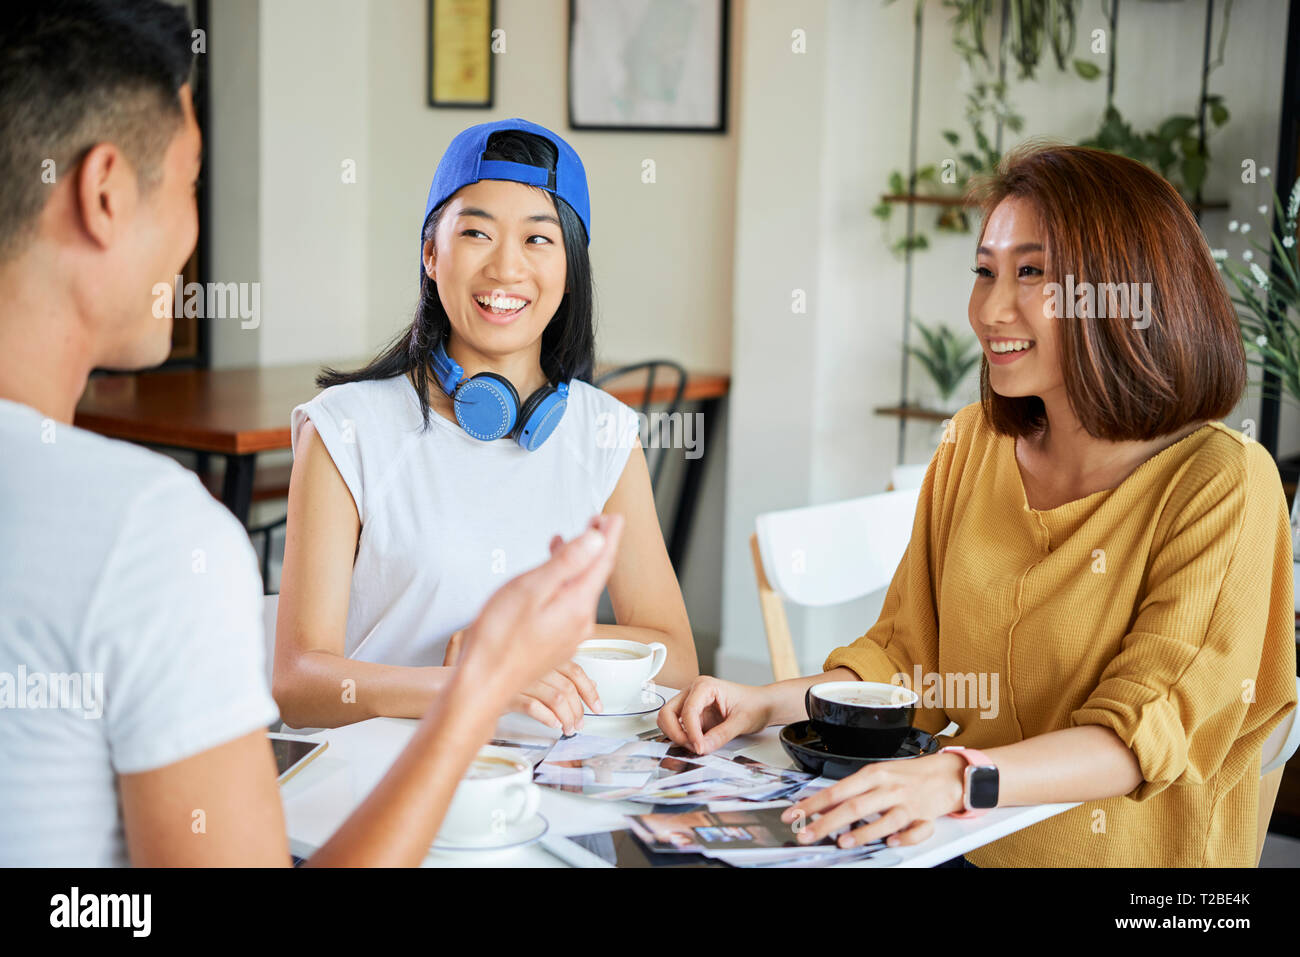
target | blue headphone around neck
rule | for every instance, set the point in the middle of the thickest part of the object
(487, 405)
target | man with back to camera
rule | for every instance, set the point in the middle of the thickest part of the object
(116, 566)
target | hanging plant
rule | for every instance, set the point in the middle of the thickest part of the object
(1172, 149)
(1176, 148)
(1032, 23)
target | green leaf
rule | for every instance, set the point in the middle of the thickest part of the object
(1218, 114)
(945, 358)
(883, 211)
(1089, 71)
(952, 138)
(916, 243)
(1193, 173)
(1176, 126)
(896, 183)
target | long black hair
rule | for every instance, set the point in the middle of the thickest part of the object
(569, 340)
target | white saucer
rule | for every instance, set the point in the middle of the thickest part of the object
(517, 835)
(655, 697)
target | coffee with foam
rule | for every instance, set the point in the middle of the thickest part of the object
(609, 654)
(496, 793)
(622, 671)
(867, 697)
(861, 718)
(488, 767)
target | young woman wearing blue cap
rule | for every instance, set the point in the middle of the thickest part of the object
(455, 458)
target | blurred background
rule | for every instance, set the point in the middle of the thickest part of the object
(773, 190)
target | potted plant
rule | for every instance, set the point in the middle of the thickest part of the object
(945, 357)
(1268, 307)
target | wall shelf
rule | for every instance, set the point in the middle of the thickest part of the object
(958, 201)
(914, 412)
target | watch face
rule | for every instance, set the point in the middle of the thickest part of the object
(983, 787)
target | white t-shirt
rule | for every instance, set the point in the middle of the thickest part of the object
(446, 518)
(130, 633)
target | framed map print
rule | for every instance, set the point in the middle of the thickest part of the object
(651, 65)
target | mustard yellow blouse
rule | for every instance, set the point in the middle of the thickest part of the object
(1161, 609)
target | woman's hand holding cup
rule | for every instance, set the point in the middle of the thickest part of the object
(557, 698)
(527, 632)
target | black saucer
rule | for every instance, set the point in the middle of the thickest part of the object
(808, 750)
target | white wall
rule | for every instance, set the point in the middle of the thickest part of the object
(770, 455)
(811, 211)
(315, 226)
(232, 159)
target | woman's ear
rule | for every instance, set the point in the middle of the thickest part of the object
(430, 261)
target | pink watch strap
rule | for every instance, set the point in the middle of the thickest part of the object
(973, 758)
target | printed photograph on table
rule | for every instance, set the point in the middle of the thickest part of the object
(608, 768)
(730, 830)
(531, 749)
(657, 772)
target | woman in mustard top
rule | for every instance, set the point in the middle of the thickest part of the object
(1090, 545)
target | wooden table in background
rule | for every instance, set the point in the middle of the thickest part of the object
(238, 413)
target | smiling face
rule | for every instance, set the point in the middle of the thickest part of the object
(498, 259)
(156, 240)
(1008, 309)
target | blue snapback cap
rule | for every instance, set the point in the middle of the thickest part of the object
(463, 163)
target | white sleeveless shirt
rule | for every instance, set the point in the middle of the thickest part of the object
(446, 519)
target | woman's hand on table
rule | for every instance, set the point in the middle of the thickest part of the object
(709, 712)
(908, 795)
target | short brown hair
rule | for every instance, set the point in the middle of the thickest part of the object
(1108, 219)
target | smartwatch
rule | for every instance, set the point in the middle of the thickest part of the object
(981, 790)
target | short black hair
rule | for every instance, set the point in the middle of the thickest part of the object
(75, 73)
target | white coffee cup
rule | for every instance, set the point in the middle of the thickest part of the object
(621, 670)
(496, 792)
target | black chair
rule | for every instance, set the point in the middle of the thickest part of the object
(265, 531)
(654, 366)
(275, 487)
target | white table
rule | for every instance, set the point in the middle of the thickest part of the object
(320, 797)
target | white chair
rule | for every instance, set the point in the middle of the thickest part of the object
(905, 477)
(825, 555)
(1275, 752)
(1281, 745)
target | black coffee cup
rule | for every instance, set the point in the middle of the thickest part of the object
(862, 719)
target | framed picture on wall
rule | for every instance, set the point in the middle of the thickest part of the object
(648, 65)
(461, 71)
